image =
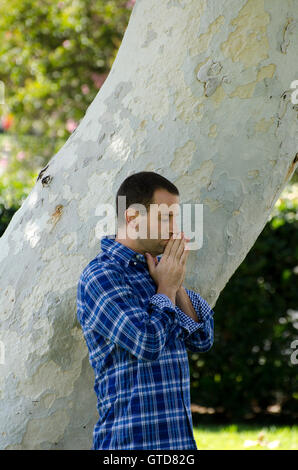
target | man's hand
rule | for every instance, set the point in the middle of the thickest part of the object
(169, 273)
(186, 256)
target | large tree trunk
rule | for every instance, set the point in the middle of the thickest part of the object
(199, 92)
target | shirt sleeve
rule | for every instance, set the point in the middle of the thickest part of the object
(200, 335)
(112, 309)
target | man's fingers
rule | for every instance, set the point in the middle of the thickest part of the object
(168, 247)
(180, 248)
(185, 254)
(175, 244)
(177, 241)
(182, 245)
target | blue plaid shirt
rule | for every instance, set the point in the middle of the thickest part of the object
(138, 342)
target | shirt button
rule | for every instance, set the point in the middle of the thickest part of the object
(135, 262)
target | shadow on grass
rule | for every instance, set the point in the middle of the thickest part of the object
(215, 420)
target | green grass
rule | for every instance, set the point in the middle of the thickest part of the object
(232, 437)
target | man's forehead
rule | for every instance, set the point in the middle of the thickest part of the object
(164, 208)
(168, 199)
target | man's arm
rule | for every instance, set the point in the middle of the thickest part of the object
(197, 316)
(108, 306)
(184, 303)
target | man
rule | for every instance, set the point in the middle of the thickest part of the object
(138, 322)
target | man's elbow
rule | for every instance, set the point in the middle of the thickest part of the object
(200, 346)
(152, 353)
(208, 346)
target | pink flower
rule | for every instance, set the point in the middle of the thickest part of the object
(3, 162)
(130, 3)
(85, 89)
(66, 43)
(71, 125)
(98, 79)
(20, 156)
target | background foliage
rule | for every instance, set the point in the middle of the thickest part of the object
(248, 372)
(54, 57)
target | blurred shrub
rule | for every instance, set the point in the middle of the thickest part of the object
(6, 216)
(249, 367)
(54, 57)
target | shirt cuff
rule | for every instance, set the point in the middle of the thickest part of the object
(162, 301)
(187, 322)
(202, 308)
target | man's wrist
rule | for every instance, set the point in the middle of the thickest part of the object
(180, 292)
(168, 291)
(185, 304)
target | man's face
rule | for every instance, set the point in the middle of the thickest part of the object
(163, 219)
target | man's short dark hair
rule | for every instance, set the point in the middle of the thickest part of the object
(140, 187)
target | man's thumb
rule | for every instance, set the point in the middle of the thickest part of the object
(150, 261)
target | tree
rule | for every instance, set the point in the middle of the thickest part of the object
(199, 92)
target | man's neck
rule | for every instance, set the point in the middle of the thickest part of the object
(129, 243)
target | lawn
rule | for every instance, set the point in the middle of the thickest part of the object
(246, 437)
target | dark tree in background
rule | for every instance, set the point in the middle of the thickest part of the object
(249, 373)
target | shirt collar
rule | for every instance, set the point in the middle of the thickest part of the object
(120, 252)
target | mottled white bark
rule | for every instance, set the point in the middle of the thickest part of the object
(199, 92)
